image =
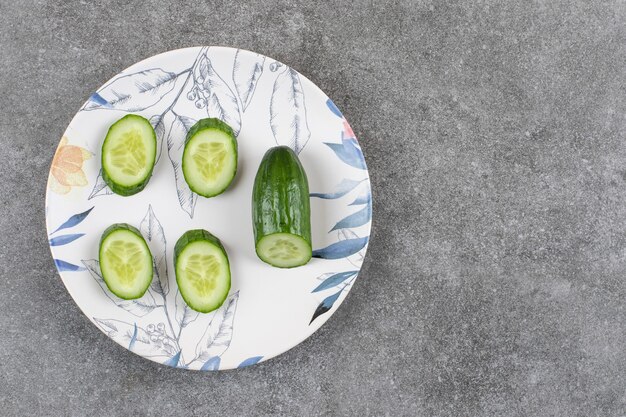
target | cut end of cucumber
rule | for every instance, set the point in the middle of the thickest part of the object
(202, 271)
(284, 250)
(128, 154)
(210, 157)
(125, 262)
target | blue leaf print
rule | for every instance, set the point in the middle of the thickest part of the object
(173, 361)
(65, 239)
(73, 221)
(133, 338)
(357, 219)
(213, 364)
(341, 249)
(63, 266)
(333, 108)
(334, 280)
(325, 305)
(250, 361)
(343, 188)
(98, 100)
(348, 152)
(364, 198)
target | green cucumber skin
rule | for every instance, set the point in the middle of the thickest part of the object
(105, 234)
(280, 197)
(122, 190)
(211, 123)
(191, 236)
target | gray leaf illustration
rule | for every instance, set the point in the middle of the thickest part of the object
(133, 92)
(159, 129)
(184, 314)
(177, 127)
(137, 339)
(152, 231)
(246, 74)
(219, 332)
(288, 118)
(100, 188)
(220, 99)
(139, 307)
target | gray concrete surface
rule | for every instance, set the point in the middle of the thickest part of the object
(495, 137)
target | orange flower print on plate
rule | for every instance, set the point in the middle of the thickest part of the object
(67, 168)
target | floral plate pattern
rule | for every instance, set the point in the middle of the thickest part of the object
(268, 310)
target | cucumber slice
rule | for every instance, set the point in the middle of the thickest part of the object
(125, 261)
(284, 250)
(210, 157)
(128, 155)
(281, 212)
(202, 270)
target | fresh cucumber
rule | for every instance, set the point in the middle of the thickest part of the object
(281, 211)
(128, 155)
(202, 270)
(210, 157)
(125, 261)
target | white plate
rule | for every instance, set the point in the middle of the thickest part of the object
(268, 310)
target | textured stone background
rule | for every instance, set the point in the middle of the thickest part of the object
(495, 279)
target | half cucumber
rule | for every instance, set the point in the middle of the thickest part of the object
(125, 261)
(128, 155)
(281, 212)
(210, 157)
(202, 270)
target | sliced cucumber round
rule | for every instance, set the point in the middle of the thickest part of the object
(210, 157)
(202, 270)
(281, 211)
(125, 261)
(128, 155)
(284, 250)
